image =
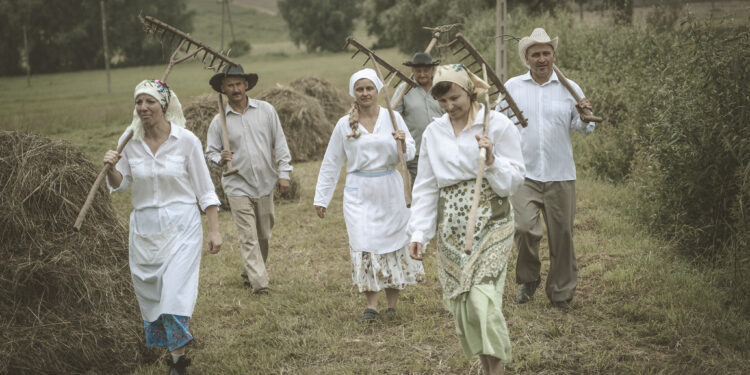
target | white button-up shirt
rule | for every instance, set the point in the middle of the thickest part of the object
(177, 173)
(446, 160)
(552, 116)
(257, 140)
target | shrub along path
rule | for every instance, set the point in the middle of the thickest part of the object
(638, 310)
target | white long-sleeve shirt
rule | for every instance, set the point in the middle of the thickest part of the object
(552, 115)
(371, 152)
(177, 173)
(257, 140)
(445, 160)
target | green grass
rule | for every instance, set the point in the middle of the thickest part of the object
(640, 309)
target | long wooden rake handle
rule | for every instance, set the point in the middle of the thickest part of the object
(586, 115)
(225, 136)
(400, 146)
(480, 174)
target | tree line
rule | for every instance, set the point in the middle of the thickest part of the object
(58, 36)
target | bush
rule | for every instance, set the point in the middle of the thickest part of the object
(239, 47)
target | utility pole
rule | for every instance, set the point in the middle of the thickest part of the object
(500, 64)
(26, 53)
(222, 25)
(106, 49)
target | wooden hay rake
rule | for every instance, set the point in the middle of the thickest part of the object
(168, 35)
(462, 44)
(394, 74)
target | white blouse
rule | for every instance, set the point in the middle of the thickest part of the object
(371, 152)
(445, 160)
(177, 173)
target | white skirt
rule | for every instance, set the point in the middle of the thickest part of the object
(165, 254)
(394, 270)
(375, 211)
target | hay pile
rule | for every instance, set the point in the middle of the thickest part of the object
(305, 125)
(335, 101)
(199, 114)
(66, 299)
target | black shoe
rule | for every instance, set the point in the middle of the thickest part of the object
(527, 291)
(179, 368)
(262, 291)
(368, 316)
(564, 306)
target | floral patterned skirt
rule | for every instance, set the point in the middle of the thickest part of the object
(473, 284)
(168, 330)
(394, 270)
(493, 237)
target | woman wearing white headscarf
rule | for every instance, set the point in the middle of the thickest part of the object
(164, 165)
(443, 191)
(374, 206)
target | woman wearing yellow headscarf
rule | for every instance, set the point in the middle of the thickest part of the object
(472, 284)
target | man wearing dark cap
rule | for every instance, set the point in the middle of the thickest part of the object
(257, 145)
(418, 108)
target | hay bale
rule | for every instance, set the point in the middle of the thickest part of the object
(198, 115)
(306, 128)
(335, 101)
(66, 299)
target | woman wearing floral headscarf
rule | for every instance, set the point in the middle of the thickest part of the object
(374, 205)
(472, 284)
(164, 165)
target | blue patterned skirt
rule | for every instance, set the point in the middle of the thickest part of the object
(168, 330)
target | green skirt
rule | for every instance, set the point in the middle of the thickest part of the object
(473, 284)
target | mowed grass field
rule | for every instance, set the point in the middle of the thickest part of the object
(640, 308)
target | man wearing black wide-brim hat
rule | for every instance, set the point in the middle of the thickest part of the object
(418, 108)
(257, 145)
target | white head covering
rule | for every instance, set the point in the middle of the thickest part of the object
(538, 36)
(170, 105)
(365, 73)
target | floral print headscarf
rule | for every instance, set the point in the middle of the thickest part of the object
(170, 105)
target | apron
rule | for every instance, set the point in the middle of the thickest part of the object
(165, 252)
(375, 211)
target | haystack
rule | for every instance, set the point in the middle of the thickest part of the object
(66, 299)
(199, 113)
(305, 125)
(335, 101)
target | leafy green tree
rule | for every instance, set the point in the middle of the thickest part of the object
(319, 25)
(66, 36)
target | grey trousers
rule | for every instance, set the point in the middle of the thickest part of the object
(412, 167)
(556, 200)
(254, 220)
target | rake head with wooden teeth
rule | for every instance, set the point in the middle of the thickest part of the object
(393, 73)
(462, 44)
(169, 34)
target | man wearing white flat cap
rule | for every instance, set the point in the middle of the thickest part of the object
(549, 187)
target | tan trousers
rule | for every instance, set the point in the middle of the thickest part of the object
(254, 221)
(556, 200)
